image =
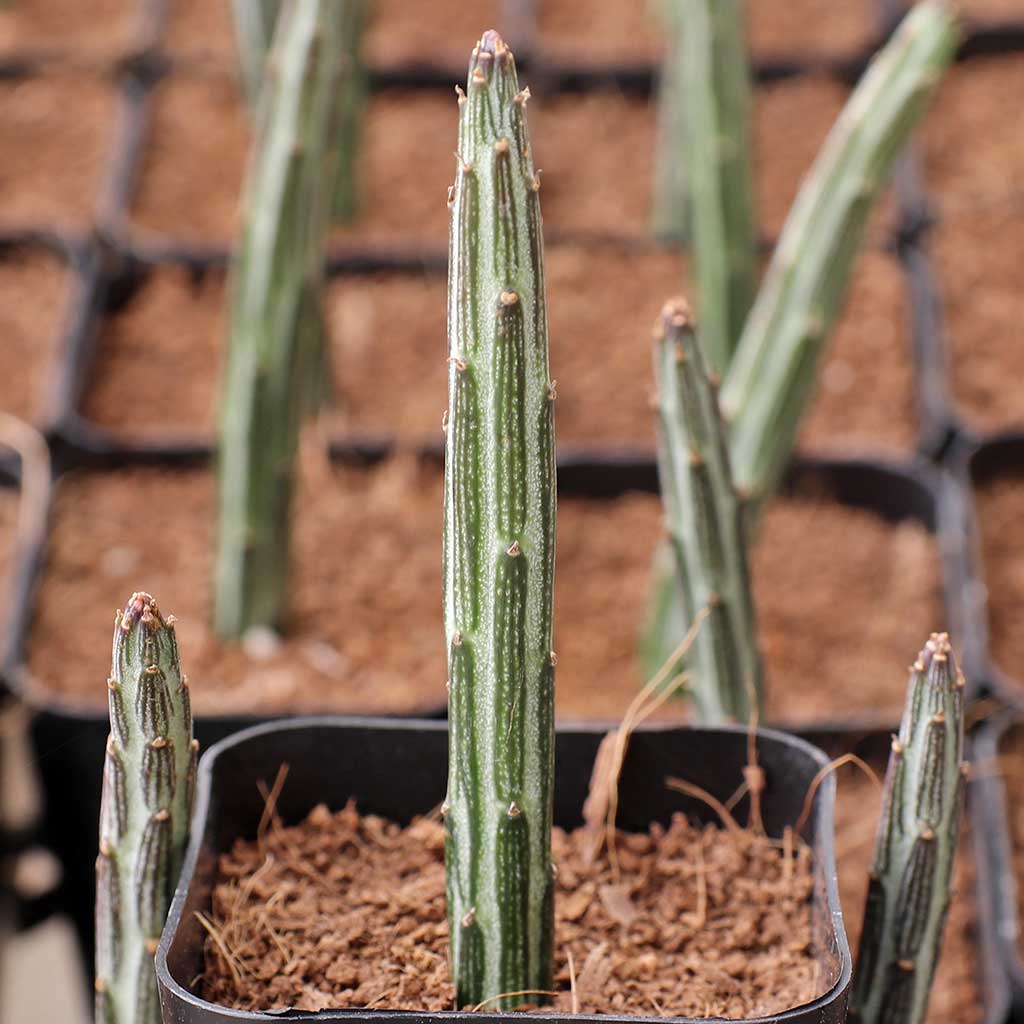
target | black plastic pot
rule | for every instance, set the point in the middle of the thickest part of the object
(998, 882)
(399, 770)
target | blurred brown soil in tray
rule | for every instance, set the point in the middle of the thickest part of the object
(1001, 512)
(32, 282)
(54, 138)
(594, 31)
(367, 926)
(978, 259)
(71, 29)
(956, 995)
(972, 161)
(407, 160)
(164, 351)
(443, 33)
(841, 595)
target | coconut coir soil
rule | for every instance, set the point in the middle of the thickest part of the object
(344, 911)
(54, 137)
(955, 992)
(31, 284)
(1011, 765)
(1000, 508)
(162, 352)
(406, 165)
(841, 595)
(68, 28)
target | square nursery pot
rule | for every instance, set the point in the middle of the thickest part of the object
(399, 770)
(998, 884)
(69, 739)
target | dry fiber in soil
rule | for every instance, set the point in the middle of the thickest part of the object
(349, 912)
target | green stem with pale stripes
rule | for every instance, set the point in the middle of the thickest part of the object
(498, 550)
(148, 785)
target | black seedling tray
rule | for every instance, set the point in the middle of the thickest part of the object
(399, 770)
(69, 738)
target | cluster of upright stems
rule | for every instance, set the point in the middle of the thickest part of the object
(764, 343)
(148, 784)
(500, 486)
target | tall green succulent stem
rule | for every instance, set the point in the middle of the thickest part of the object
(669, 214)
(702, 512)
(148, 784)
(499, 542)
(275, 343)
(255, 22)
(909, 888)
(716, 114)
(771, 378)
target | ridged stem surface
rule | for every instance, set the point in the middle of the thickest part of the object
(772, 374)
(275, 344)
(254, 22)
(716, 101)
(498, 550)
(909, 888)
(148, 783)
(669, 214)
(702, 513)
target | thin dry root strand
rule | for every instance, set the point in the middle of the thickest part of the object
(691, 789)
(823, 774)
(509, 995)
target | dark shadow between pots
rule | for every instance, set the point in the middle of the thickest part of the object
(398, 770)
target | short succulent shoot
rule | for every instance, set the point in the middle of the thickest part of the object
(148, 782)
(498, 551)
(909, 889)
(702, 512)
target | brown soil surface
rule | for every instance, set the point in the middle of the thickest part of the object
(196, 199)
(977, 259)
(54, 137)
(443, 33)
(972, 162)
(367, 928)
(841, 595)
(31, 287)
(594, 31)
(68, 28)
(164, 350)
(1000, 511)
(956, 995)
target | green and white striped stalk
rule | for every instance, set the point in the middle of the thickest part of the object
(499, 545)
(702, 512)
(669, 214)
(716, 114)
(254, 29)
(276, 342)
(771, 378)
(255, 22)
(909, 889)
(148, 785)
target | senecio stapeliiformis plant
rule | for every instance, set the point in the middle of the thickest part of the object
(255, 22)
(276, 344)
(702, 512)
(499, 542)
(909, 889)
(768, 370)
(148, 785)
